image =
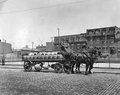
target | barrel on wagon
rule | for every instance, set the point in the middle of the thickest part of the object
(39, 59)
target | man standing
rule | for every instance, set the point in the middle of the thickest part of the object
(3, 60)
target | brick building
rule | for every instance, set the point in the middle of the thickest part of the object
(76, 42)
(5, 48)
(104, 38)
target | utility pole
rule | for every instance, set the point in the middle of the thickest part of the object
(105, 41)
(52, 43)
(32, 45)
(58, 32)
(3, 49)
(4, 43)
(59, 37)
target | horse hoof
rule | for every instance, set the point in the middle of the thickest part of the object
(86, 73)
(80, 72)
(90, 72)
(72, 72)
(68, 73)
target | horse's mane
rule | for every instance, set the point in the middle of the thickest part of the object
(62, 48)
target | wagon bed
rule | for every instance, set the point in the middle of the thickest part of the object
(32, 60)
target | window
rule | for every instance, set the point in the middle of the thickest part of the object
(57, 40)
(66, 39)
(77, 38)
(91, 33)
(78, 47)
(104, 31)
(97, 42)
(78, 44)
(103, 42)
(111, 31)
(62, 40)
(72, 44)
(97, 32)
(72, 39)
(72, 47)
(103, 48)
(111, 42)
(106, 48)
(97, 39)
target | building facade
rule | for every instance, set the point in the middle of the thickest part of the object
(105, 39)
(41, 48)
(5, 48)
(117, 41)
(76, 42)
(49, 46)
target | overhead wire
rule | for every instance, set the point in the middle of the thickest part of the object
(3, 1)
(45, 7)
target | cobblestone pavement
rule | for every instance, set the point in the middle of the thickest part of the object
(17, 82)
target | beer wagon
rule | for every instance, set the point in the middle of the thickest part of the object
(39, 59)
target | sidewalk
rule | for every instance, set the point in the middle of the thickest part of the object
(13, 63)
(106, 70)
(95, 69)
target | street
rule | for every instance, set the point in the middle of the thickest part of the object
(15, 81)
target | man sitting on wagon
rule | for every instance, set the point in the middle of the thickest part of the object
(66, 51)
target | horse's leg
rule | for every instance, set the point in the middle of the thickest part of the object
(79, 68)
(76, 67)
(69, 69)
(86, 72)
(91, 67)
(72, 67)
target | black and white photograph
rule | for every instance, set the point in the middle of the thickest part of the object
(59, 47)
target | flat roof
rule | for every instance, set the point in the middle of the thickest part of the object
(102, 28)
(71, 35)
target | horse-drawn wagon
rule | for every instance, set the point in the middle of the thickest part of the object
(65, 60)
(43, 57)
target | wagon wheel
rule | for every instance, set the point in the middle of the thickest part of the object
(66, 68)
(27, 66)
(58, 69)
(39, 68)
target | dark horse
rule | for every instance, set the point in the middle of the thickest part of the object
(87, 58)
(69, 59)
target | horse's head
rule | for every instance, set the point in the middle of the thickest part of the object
(95, 53)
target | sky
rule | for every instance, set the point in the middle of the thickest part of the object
(25, 21)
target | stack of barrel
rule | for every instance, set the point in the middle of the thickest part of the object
(44, 56)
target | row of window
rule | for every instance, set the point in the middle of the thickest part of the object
(74, 45)
(102, 42)
(70, 39)
(98, 40)
(102, 38)
(104, 48)
(101, 31)
(79, 48)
